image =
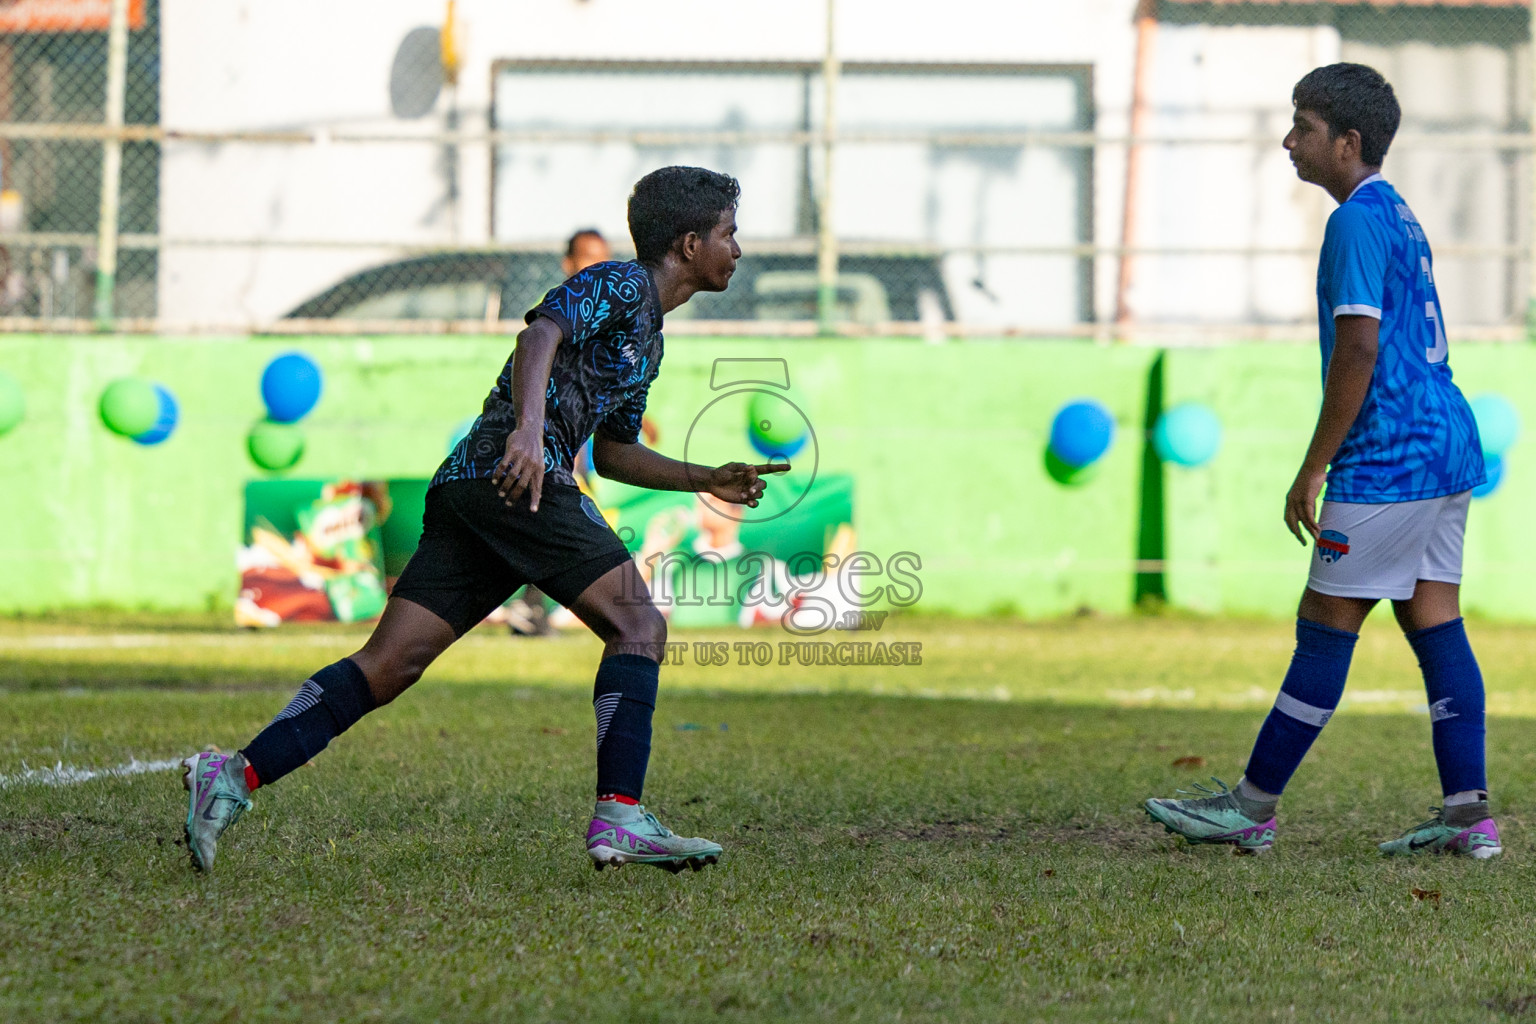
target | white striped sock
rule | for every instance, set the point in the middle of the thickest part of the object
(604, 707)
(307, 697)
(1302, 711)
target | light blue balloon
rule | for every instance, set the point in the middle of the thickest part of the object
(1498, 424)
(460, 432)
(165, 423)
(1495, 466)
(1189, 434)
(1081, 433)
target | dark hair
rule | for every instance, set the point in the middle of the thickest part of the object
(672, 201)
(1354, 96)
(570, 243)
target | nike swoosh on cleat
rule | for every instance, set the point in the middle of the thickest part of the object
(1419, 844)
(1201, 818)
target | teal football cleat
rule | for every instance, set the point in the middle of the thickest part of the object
(1478, 841)
(1217, 818)
(629, 834)
(217, 796)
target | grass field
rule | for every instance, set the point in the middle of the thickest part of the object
(952, 841)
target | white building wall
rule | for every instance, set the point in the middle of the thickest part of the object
(317, 68)
(1463, 196)
(1228, 82)
(320, 68)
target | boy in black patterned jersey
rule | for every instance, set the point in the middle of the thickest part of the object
(503, 510)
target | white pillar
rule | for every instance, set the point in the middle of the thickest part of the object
(111, 165)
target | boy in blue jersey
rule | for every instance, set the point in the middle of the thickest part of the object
(503, 511)
(1398, 448)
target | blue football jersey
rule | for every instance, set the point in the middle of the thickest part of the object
(1415, 437)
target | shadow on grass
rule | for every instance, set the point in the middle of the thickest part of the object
(34, 675)
(148, 672)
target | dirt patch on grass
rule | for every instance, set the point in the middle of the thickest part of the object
(939, 832)
(1111, 834)
(35, 828)
(57, 828)
(1114, 835)
(828, 939)
(1515, 1006)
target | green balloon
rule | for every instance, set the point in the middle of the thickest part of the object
(774, 420)
(13, 404)
(1069, 476)
(275, 446)
(130, 406)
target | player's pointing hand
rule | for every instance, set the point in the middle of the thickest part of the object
(741, 483)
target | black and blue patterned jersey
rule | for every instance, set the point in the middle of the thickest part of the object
(610, 318)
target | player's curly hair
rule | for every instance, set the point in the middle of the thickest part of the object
(672, 201)
(1354, 96)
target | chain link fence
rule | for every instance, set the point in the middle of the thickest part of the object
(1136, 189)
(54, 113)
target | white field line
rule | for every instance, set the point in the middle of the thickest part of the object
(108, 641)
(62, 774)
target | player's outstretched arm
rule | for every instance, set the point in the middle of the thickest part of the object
(1356, 340)
(738, 482)
(521, 468)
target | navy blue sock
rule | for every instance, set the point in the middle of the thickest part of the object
(624, 698)
(1455, 688)
(328, 704)
(1306, 701)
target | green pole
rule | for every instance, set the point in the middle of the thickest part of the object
(111, 166)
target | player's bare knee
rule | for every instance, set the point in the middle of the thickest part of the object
(392, 671)
(644, 633)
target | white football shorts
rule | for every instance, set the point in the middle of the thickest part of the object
(1382, 551)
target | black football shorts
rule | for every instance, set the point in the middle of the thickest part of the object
(475, 552)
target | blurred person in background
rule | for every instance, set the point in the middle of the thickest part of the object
(583, 249)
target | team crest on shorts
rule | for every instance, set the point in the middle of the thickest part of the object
(593, 513)
(1332, 546)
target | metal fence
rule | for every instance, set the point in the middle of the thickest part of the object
(934, 199)
(76, 115)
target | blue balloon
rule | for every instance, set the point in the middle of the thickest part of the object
(776, 449)
(1498, 424)
(290, 386)
(1081, 433)
(165, 423)
(1495, 466)
(1189, 434)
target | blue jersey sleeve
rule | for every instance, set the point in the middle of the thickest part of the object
(1353, 265)
(600, 300)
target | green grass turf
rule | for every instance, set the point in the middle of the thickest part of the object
(892, 853)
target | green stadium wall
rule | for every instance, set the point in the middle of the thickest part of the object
(1226, 543)
(945, 445)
